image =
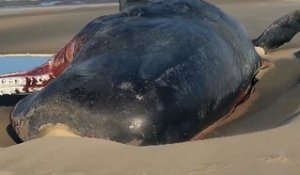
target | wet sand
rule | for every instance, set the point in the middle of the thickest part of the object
(48, 3)
(263, 139)
(5, 139)
(45, 30)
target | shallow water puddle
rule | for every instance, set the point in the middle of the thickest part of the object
(12, 63)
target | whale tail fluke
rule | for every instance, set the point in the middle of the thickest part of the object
(279, 32)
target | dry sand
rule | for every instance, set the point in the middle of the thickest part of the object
(273, 152)
(265, 140)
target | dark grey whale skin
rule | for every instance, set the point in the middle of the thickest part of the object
(279, 32)
(155, 73)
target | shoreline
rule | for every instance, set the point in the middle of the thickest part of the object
(110, 3)
(58, 7)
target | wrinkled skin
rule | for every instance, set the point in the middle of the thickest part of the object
(156, 73)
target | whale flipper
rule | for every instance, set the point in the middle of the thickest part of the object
(279, 32)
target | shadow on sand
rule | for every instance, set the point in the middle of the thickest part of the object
(274, 103)
(297, 54)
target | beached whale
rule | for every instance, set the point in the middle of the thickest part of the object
(157, 72)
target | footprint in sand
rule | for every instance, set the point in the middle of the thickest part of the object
(209, 168)
(275, 159)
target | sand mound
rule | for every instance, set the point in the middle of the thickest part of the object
(275, 152)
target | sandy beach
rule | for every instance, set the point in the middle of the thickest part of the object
(262, 138)
(45, 30)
